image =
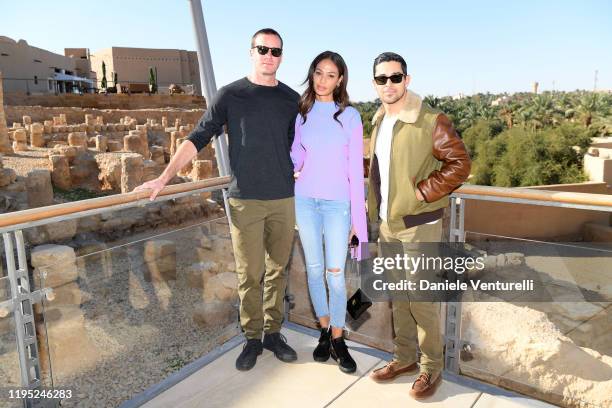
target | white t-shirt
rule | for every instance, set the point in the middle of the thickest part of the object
(383, 153)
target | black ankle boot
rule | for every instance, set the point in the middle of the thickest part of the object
(277, 343)
(339, 352)
(321, 352)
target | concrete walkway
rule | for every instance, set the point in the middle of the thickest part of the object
(306, 383)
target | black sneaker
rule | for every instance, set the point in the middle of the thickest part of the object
(321, 352)
(339, 352)
(247, 359)
(277, 343)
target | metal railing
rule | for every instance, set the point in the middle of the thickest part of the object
(23, 299)
(582, 201)
(60, 212)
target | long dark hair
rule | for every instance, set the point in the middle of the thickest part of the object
(340, 95)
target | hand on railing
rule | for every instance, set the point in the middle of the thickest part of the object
(155, 185)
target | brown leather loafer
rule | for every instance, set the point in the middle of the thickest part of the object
(392, 370)
(425, 385)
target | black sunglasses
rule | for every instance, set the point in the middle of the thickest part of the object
(395, 78)
(263, 50)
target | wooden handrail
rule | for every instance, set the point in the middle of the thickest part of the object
(37, 214)
(41, 213)
(565, 197)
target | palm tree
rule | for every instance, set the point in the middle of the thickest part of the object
(544, 109)
(506, 113)
(432, 101)
(526, 116)
(152, 81)
(588, 107)
(103, 83)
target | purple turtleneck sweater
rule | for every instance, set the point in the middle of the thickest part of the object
(329, 157)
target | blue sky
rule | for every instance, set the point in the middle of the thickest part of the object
(450, 46)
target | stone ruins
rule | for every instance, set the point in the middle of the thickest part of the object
(41, 161)
(89, 154)
(65, 155)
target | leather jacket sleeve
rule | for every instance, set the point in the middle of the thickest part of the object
(456, 163)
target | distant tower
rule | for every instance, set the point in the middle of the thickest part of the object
(595, 81)
(535, 87)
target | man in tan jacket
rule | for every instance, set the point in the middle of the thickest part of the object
(417, 159)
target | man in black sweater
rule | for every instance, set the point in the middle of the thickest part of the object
(259, 112)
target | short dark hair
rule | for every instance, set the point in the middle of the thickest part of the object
(387, 57)
(270, 31)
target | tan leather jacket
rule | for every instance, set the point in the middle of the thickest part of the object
(426, 153)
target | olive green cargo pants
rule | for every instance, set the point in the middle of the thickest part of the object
(262, 238)
(414, 321)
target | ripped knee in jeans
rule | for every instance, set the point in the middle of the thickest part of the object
(334, 271)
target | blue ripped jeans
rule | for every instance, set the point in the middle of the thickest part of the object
(325, 222)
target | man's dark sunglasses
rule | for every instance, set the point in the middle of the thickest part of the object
(395, 78)
(263, 50)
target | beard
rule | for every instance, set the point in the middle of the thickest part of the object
(390, 100)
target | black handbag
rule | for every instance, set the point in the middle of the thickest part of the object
(359, 302)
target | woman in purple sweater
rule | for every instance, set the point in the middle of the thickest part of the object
(327, 154)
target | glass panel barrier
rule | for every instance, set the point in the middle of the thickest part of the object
(552, 342)
(373, 328)
(130, 306)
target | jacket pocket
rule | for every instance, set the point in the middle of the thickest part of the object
(418, 204)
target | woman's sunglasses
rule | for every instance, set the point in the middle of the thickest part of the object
(395, 78)
(263, 50)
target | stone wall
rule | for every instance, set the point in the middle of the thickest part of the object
(535, 221)
(123, 224)
(598, 164)
(110, 101)
(76, 115)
